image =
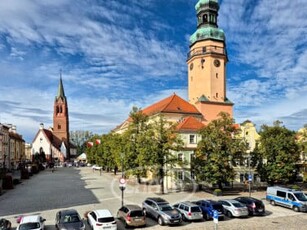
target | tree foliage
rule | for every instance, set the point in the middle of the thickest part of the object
(216, 150)
(280, 153)
(79, 138)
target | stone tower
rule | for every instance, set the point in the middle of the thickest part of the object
(207, 60)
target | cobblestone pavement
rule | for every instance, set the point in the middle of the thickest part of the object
(84, 190)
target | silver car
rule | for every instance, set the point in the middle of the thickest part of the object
(189, 211)
(162, 211)
(234, 208)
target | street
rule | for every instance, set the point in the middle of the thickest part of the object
(84, 189)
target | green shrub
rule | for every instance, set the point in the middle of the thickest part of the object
(217, 192)
(296, 187)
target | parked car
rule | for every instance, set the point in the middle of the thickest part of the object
(96, 167)
(132, 215)
(33, 222)
(162, 211)
(189, 211)
(255, 206)
(68, 219)
(5, 224)
(209, 206)
(289, 198)
(234, 208)
(101, 219)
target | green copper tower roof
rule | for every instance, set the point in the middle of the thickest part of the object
(207, 33)
(207, 28)
(203, 2)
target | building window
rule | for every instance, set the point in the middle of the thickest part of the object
(59, 126)
(180, 175)
(192, 157)
(217, 95)
(192, 139)
(217, 75)
(192, 175)
(180, 157)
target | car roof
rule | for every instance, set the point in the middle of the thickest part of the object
(69, 211)
(133, 207)
(188, 203)
(103, 213)
(30, 219)
(247, 198)
(157, 199)
(230, 200)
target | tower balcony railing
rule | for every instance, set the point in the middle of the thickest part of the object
(206, 50)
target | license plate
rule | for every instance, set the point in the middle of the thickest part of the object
(260, 210)
(176, 221)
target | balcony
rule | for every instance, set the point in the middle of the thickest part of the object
(206, 50)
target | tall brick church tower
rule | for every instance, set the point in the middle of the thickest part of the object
(206, 62)
(60, 120)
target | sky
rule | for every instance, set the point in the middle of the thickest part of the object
(117, 54)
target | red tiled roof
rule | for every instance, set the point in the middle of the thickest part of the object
(48, 134)
(171, 104)
(190, 124)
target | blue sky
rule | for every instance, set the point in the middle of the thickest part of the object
(121, 53)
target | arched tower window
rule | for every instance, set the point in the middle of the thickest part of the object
(57, 109)
(205, 18)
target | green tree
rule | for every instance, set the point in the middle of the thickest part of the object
(280, 153)
(216, 151)
(79, 138)
(134, 145)
(162, 140)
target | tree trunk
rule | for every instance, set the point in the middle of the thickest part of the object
(161, 177)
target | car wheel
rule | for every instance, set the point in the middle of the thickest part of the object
(184, 218)
(160, 221)
(229, 214)
(296, 209)
(272, 202)
(207, 217)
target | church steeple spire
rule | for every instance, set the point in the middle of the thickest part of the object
(61, 93)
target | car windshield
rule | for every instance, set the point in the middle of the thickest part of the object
(195, 209)
(106, 219)
(70, 219)
(217, 207)
(136, 213)
(27, 226)
(300, 196)
(166, 208)
(238, 205)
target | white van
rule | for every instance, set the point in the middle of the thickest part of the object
(286, 197)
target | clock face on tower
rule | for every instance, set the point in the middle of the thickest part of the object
(217, 63)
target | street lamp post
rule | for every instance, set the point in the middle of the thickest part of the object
(249, 174)
(122, 181)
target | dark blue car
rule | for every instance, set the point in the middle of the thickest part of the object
(209, 206)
